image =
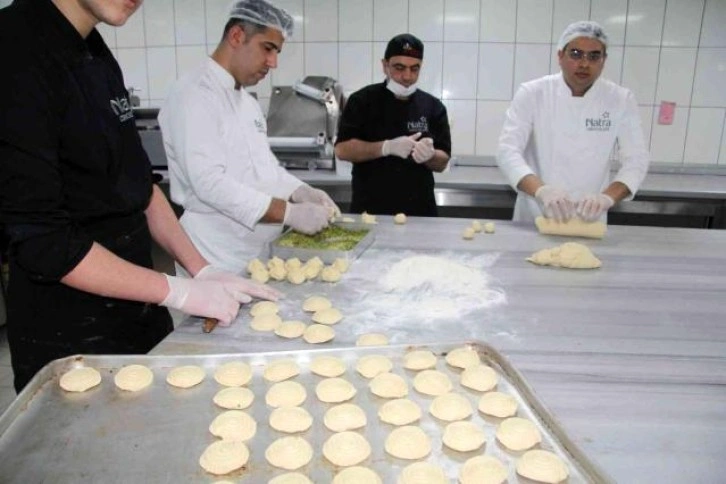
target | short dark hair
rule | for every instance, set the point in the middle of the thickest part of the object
(249, 28)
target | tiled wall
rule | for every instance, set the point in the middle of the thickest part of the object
(476, 54)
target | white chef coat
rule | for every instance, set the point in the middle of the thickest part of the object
(221, 168)
(567, 140)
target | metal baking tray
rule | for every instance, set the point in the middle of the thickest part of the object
(158, 434)
(327, 256)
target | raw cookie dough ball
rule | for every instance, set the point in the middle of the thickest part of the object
(278, 273)
(275, 262)
(346, 416)
(517, 433)
(463, 436)
(264, 307)
(223, 457)
(463, 357)
(330, 274)
(399, 219)
(296, 276)
(373, 365)
(341, 264)
(233, 425)
(408, 442)
(290, 329)
(293, 263)
(286, 394)
(185, 376)
(260, 276)
(498, 404)
(346, 449)
(480, 378)
(489, 227)
(432, 382)
(389, 385)
(281, 370)
(483, 469)
(233, 374)
(133, 378)
(542, 466)
(291, 478)
(419, 360)
(372, 339)
(401, 411)
(450, 407)
(327, 316)
(422, 473)
(335, 390)
(234, 398)
(265, 322)
(80, 379)
(467, 234)
(476, 226)
(256, 265)
(327, 366)
(314, 304)
(311, 271)
(318, 333)
(290, 419)
(289, 453)
(357, 475)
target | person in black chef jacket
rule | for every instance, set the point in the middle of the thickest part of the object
(396, 136)
(77, 201)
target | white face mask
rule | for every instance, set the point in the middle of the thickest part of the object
(399, 90)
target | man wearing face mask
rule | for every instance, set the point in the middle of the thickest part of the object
(396, 136)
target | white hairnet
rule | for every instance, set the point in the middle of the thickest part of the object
(583, 28)
(262, 12)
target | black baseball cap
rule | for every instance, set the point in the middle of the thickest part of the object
(404, 44)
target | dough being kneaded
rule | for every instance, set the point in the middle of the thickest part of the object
(570, 255)
(575, 227)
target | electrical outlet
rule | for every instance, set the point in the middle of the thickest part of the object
(667, 112)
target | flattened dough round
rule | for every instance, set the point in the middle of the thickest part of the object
(498, 404)
(422, 473)
(419, 360)
(327, 366)
(185, 376)
(357, 475)
(346, 449)
(463, 357)
(335, 390)
(233, 374)
(290, 329)
(373, 365)
(234, 398)
(316, 303)
(133, 378)
(481, 378)
(401, 411)
(518, 433)
(233, 425)
(291, 478)
(286, 394)
(408, 442)
(450, 407)
(372, 339)
(290, 419)
(318, 333)
(80, 379)
(389, 385)
(432, 382)
(327, 316)
(483, 469)
(281, 370)
(266, 322)
(223, 457)
(542, 466)
(346, 416)
(463, 436)
(289, 453)
(264, 307)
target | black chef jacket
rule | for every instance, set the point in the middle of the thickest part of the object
(390, 185)
(72, 171)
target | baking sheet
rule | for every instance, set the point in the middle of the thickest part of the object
(157, 435)
(327, 256)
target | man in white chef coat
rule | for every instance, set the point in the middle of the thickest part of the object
(560, 130)
(222, 171)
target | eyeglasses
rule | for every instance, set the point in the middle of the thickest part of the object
(592, 56)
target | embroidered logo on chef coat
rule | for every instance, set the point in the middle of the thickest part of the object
(122, 108)
(260, 125)
(422, 125)
(602, 123)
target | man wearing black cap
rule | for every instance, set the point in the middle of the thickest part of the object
(395, 135)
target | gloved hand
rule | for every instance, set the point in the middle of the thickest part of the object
(592, 206)
(252, 288)
(306, 193)
(306, 217)
(210, 299)
(555, 203)
(401, 146)
(423, 151)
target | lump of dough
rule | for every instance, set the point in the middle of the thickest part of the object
(318, 333)
(419, 360)
(341, 264)
(372, 339)
(346, 449)
(275, 262)
(373, 365)
(467, 234)
(289, 453)
(278, 273)
(286, 394)
(185, 376)
(366, 218)
(330, 274)
(327, 366)
(314, 304)
(266, 322)
(290, 329)
(463, 357)
(261, 276)
(450, 407)
(296, 276)
(223, 457)
(489, 228)
(290, 419)
(542, 466)
(401, 411)
(357, 475)
(408, 442)
(264, 307)
(133, 378)
(498, 404)
(234, 398)
(399, 219)
(575, 227)
(256, 265)
(311, 271)
(281, 370)
(432, 382)
(293, 263)
(346, 416)
(517, 433)
(291, 478)
(463, 436)
(570, 255)
(422, 473)
(234, 425)
(335, 390)
(483, 469)
(389, 385)
(327, 316)
(479, 377)
(233, 374)
(476, 226)
(80, 379)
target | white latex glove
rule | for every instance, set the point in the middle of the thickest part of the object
(209, 299)
(306, 193)
(306, 217)
(423, 151)
(555, 203)
(252, 288)
(401, 146)
(592, 206)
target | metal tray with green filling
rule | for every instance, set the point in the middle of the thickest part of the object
(339, 240)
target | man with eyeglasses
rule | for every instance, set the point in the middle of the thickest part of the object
(396, 136)
(560, 131)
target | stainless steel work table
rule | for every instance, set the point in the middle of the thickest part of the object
(631, 357)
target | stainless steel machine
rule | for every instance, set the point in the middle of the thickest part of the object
(302, 122)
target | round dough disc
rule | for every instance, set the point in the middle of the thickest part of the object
(223, 457)
(463, 357)
(286, 394)
(234, 398)
(401, 411)
(291, 478)
(346, 449)
(133, 378)
(542, 466)
(419, 360)
(483, 469)
(408, 442)
(281, 370)
(266, 322)
(290, 419)
(480, 378)
(347, 416)
(372, 339)
(422, 473)
(389, 385)
(463, 436)
(517, 433)
(289, 453)
(234, 425)
(373, 365)
(185, 376)
(432, 382)
(264, 307)
(318, 333)
(335, 390)
(290, 329)
(328, 316)
(316, 303)
(327, 366)
(80, 379)
(233, 374)
(450, 407)
(357, 475)
(498, 404)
